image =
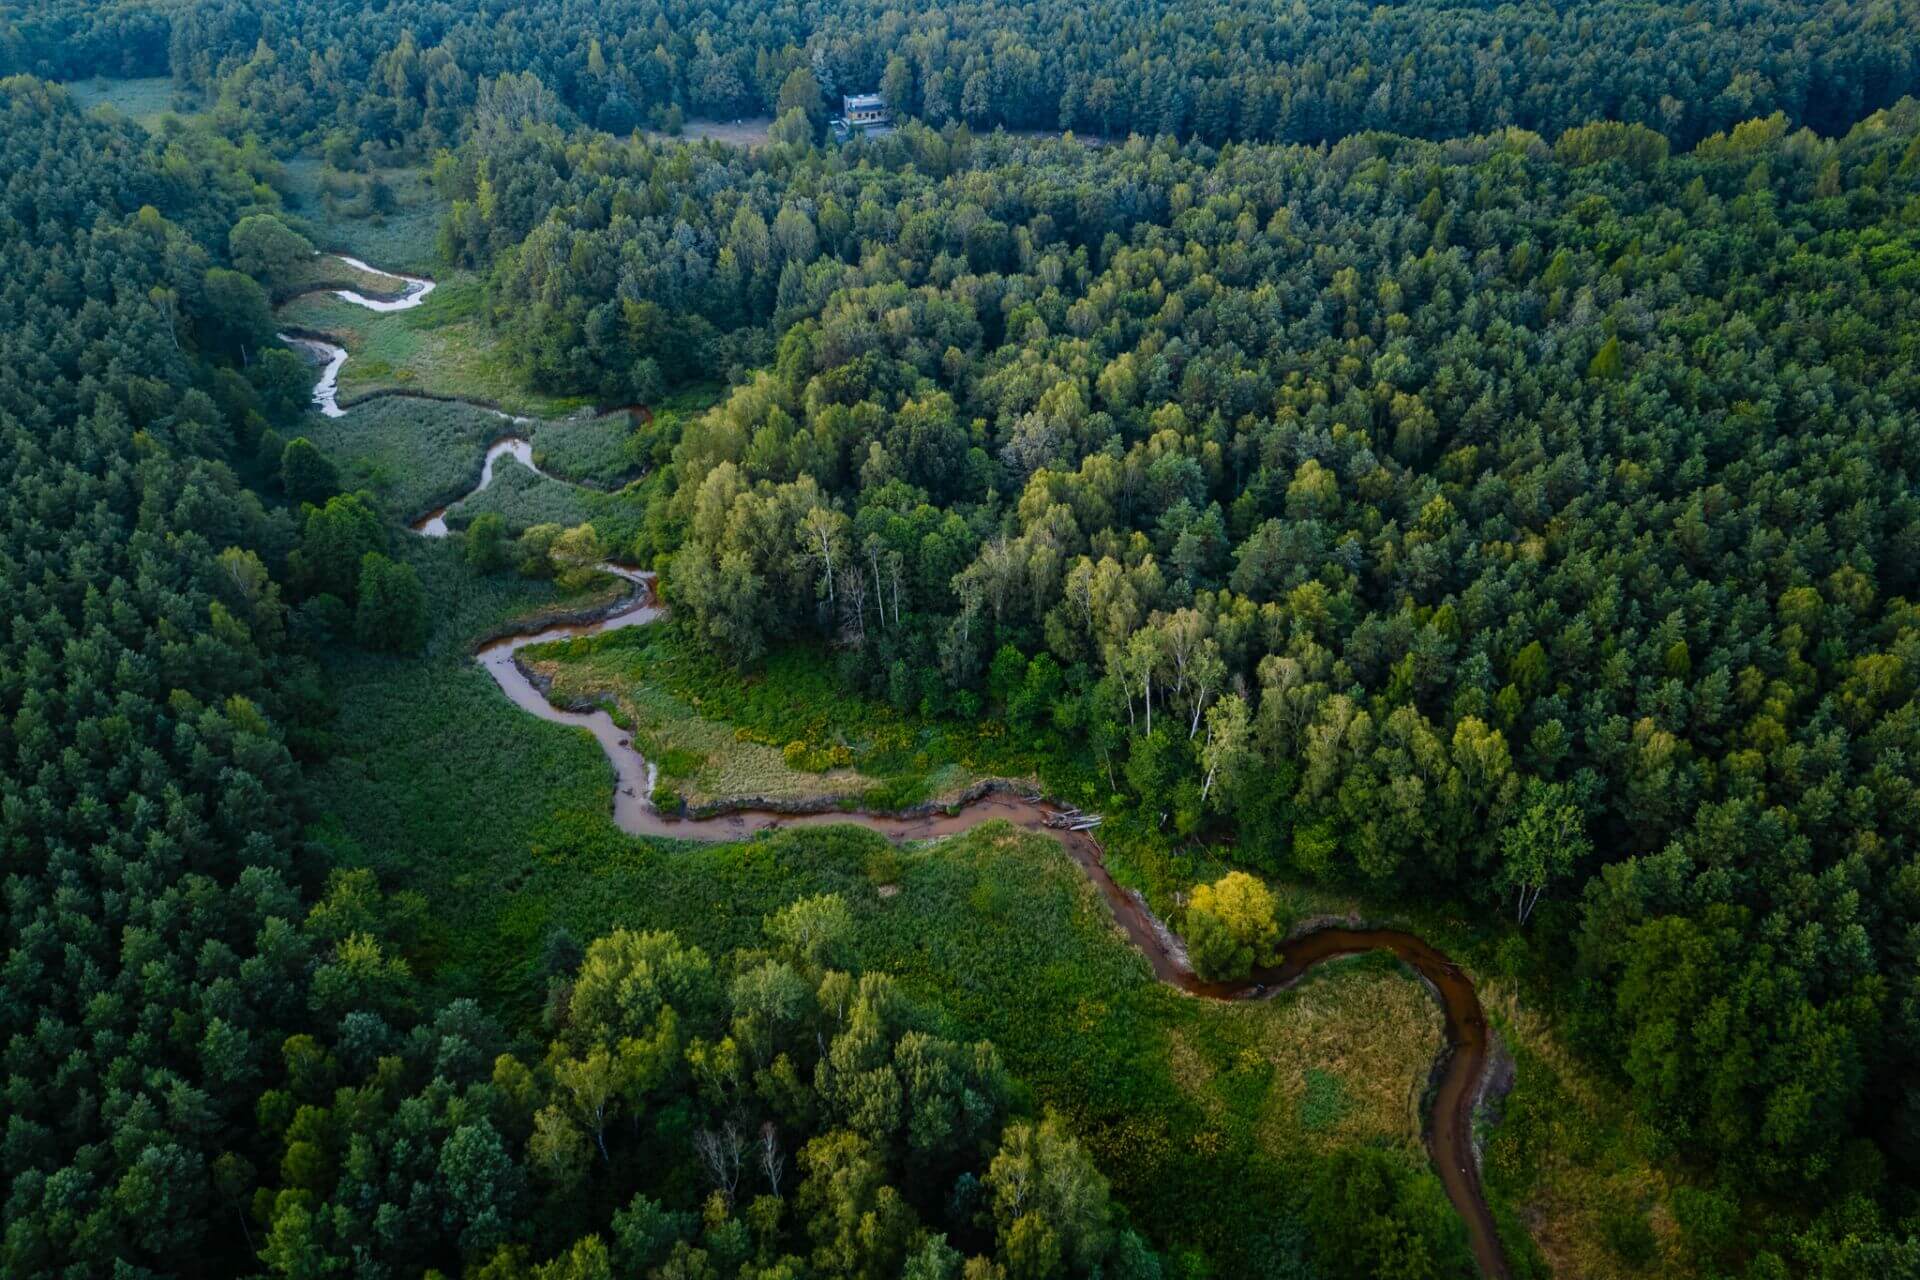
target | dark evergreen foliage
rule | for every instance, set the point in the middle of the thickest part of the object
(412, 72)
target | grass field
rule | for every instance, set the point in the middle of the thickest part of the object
(441, 347)
(593, 450)
(750, 131)
(523, 498)
(335, 210)
(416, 455)
(325, 270)
(145, 101)
(705, 761)
(721, 734)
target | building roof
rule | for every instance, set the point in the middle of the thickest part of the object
(863, 102)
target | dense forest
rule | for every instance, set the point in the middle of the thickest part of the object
(411, 74)
(1540, 517)
(217, 1057)
(1456, 455)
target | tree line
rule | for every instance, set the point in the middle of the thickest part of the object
(411, 74)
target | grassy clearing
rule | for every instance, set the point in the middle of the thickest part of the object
(440, 347)
(146, 100)
(337, 210)
(748, 132)
(326, 270)
(1355, 1056)
(523, 498)
(589, 450)
(704, 760)
(414, 454)
(666, 679)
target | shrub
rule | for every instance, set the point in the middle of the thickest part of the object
(883, 865)
(392, 613)
(487, 542)
(799, 755)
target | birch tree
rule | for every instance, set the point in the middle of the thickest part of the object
(1541, 845)
(823, 536)
(1227, 752)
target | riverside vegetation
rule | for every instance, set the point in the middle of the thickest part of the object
(1463, 484)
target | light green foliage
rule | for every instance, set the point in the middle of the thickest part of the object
(266, 248)
(1546, 840)
(1049, 1202)
(814, 931)
(576, 554)
(1231, 927)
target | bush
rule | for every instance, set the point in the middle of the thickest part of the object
(535, 545)
(883, 866)
(392, 614)
(487, 542)
(806, 759)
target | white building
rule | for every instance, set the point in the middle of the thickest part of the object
(862, 113)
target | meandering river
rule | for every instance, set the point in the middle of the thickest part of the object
(332, 358)
(418, 287)
(1462, 1071)
(434, 523)
(326, 392)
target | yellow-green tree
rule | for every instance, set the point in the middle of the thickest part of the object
(1231, 927)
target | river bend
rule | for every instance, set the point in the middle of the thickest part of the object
(1461, 1070)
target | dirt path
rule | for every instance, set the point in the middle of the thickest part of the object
(1450, 1123)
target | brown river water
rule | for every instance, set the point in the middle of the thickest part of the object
(1463, 1065)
